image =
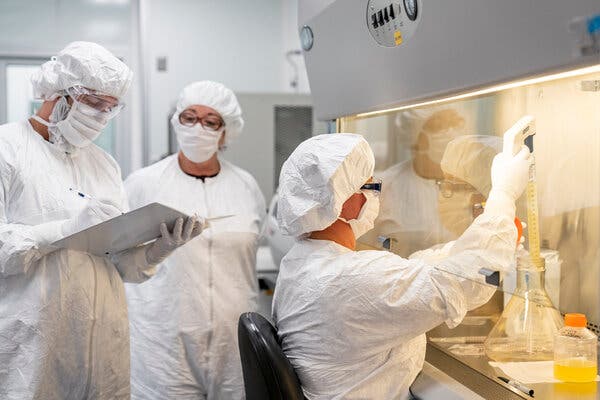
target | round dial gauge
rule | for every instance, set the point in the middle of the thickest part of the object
(412, 9)
(306, 38)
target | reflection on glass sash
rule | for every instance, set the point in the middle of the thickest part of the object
(416, 216)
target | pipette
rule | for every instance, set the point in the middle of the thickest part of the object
(522, 133)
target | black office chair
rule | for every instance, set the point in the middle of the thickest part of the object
(268, 374)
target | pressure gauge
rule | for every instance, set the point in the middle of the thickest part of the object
(306, 38)
(412, 9)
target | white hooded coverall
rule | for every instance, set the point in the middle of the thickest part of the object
(184, 320)
(353, 323)
(63, 317)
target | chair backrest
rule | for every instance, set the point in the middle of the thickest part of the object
(268, 374)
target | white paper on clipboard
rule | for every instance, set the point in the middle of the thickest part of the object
(123, 232)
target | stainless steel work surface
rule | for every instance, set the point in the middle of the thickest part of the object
(433, 384)
(476, 373)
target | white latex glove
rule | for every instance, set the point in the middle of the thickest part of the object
(181, 234)
(96, 211)
(511, 173)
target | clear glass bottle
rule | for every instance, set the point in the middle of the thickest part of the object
(575, 351)
(529, 322)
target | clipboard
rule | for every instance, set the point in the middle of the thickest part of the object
(122, 232)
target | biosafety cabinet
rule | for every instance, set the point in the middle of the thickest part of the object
(433, 85)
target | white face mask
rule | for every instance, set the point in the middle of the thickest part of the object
(437, 142)
(366, 218)
(196, 143)
(78, 124)
(82, 126)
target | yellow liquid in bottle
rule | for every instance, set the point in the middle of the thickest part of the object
(575, 370)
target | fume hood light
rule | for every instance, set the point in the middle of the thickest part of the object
(491, 89)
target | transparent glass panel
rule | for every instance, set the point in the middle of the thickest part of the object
(435, 165)
(21, 104)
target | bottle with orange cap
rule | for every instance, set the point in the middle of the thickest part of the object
(575, 351)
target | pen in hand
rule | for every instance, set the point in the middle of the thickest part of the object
(80, 194)
(85, 196)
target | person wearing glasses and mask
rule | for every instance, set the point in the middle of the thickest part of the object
(409, 217)
(352, 323)
(184, 320)
(63, 317)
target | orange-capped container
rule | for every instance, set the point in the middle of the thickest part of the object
(575, 351)
(576, 320)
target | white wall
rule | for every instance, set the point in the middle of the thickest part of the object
(291, 41)
(42, 27)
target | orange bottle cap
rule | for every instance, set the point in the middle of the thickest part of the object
(575, 320)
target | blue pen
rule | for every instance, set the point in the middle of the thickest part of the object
(85, 196)
(78, 193)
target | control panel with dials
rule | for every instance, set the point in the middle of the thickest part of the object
(391, 23)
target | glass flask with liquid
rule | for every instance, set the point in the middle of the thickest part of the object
(529, 322)
(575, 351)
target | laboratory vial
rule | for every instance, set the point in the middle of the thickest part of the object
(575, 351)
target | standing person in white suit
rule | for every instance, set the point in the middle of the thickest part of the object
(184, 320)
(63, 317)
(353, 323)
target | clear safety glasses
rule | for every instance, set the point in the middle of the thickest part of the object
(209, 122)
(97, 103)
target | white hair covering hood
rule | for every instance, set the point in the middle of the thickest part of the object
(85, 64)
(470, 158)
(217, 96)
(318, 177)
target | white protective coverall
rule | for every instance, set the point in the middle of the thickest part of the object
(183, 321)
(63, 317)
(353, 323)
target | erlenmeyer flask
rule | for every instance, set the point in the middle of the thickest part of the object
(526, 328)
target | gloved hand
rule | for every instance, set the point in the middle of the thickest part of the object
(96, 211)
(511, 173)
(164, 245)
